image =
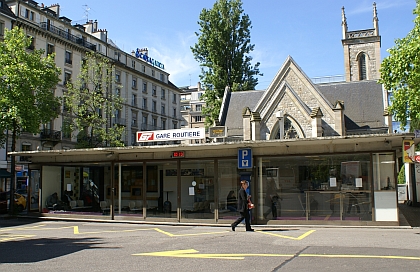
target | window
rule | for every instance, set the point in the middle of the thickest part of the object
(154, 90)
(134, 83)
(133, 64)
(163, 109)
(174, 110)
(31, 15)
(118, 92)
(162, 77)
(134, 119)
(67, 78)
(154, 122)
(174, 125)
(362, 67)
(153, 72)
(50, 49)
(174, 98)
(117, 77)
(198, 107)
(68, 57)
(133, 100)
(154, 106)
(66, 129)
(32, 45)
(133, 138)
(197, 119)
(162, 94)
(25, 147)
(163, 124)
(144, 103)
(1, 28)
(143, 69)
(144, 119)
(144, 87)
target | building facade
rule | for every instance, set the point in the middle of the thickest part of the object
(313, 154)
(151, 100)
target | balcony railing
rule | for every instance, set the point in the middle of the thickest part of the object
(149, 127)
(118, 121)
(67, 36)
(50, 135)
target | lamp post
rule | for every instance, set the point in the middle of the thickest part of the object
(280, 118)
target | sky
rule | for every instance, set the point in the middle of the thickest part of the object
(307, 30)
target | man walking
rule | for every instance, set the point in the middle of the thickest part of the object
(243, 208)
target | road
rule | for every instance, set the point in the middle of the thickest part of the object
(27, 245)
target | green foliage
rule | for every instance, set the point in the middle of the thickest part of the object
(400, 73)
(91, 101)
(401, 175)
(222, 51)
(27, 82)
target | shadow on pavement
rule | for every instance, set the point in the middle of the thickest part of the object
(16, 251)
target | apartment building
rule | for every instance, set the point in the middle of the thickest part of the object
(151, 100)
(191, 107)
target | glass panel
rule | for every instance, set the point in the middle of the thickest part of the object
(333, 187)
(384, 172)
(228, 189)
(197, 189)
(161, 190)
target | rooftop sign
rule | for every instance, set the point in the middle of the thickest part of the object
(148, 59)
(171, 135)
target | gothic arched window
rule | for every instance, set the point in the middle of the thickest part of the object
(362, 67)
(290, 131)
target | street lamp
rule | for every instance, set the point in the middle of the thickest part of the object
(280, 117)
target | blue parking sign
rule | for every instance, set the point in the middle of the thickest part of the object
(244, 158)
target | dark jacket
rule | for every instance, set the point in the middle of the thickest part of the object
(242, 201)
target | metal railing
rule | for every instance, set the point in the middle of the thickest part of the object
(51, 135)
(67, 36)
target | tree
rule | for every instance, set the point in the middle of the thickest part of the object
(222, 50)
(400, 73)
(27, 82)
(91, 104)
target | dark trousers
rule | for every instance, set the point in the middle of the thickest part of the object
(244, 215)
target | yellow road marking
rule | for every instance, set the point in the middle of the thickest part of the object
(192, 253)
(21, 228)
(289, 237)
(9, 237)
(76, 231)
(190, 234)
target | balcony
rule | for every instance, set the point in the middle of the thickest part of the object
(52, 137)
(118, 121)
(149, 127)
(67, 36)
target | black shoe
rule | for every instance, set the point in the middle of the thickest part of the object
(250, 230)
(233, 228)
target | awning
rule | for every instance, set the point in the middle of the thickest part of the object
(4, 173)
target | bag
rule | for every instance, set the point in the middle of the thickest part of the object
(250, 205)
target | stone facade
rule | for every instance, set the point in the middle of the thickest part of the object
(365, 42)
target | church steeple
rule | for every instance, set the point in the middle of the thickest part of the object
(343, 23)
(375, 20)
(362, 50)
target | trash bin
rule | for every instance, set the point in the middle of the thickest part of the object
(167, 206)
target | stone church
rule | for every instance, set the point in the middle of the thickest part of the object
(293, 106)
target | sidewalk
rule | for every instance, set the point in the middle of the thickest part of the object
(409, 216)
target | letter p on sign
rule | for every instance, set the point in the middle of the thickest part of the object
(244, 158)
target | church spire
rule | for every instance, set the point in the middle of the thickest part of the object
(375, 20)
(343, 23)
